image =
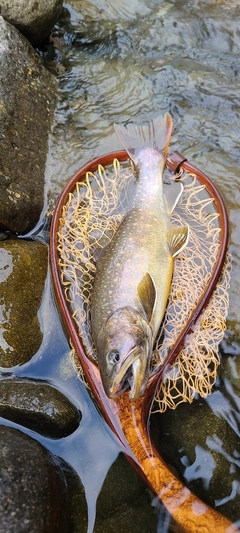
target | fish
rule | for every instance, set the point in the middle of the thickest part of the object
(134, 273)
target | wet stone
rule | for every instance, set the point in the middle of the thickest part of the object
(38, 406)
(203, 453)
(23, 270)
(136, 517)
(124, 500)
(33, 490)
(33, 19)
(78, 512)
(112, 496)
(27, 102)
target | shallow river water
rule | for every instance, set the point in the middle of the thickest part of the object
(119, 62)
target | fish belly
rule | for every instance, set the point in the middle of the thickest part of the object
(139, 246)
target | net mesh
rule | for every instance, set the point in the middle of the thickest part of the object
(89, 220)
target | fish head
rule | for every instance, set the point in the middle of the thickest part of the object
(124, 350)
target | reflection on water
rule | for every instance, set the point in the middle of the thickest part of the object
(124, 61)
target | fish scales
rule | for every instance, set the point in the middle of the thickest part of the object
(135, 250)
(133, 276)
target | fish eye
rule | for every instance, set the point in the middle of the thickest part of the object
(113, 356)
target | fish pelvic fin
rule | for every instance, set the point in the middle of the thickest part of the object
(172, 193)
(147, 294)
(155, 134)
(177, 239)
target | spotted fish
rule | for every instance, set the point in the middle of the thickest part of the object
(133, 276)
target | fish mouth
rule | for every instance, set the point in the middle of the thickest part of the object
(131, 375)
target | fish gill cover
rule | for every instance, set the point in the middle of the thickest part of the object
(89, 220)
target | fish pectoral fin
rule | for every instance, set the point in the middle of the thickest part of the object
(177, 239)
(172, 193)
(147, 295)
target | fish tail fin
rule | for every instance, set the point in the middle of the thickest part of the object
(156, 134)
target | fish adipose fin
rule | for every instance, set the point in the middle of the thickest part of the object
(155, 134)
(147, 295)
(172, 193)
(177, 239)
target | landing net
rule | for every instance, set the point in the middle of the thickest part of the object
(89, 220)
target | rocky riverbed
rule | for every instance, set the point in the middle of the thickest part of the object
(66, 74)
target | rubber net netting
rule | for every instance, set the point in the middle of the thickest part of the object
(89, 220)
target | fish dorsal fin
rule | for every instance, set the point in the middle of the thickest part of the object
(147, 295)
(172, 193)
(177, 239)
(155, 134)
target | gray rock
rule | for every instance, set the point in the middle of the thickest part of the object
(33, 493)
(38, 406)
(34, 19)
(27, 101)
(23, 270)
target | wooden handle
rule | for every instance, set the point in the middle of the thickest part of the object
(187, 510)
